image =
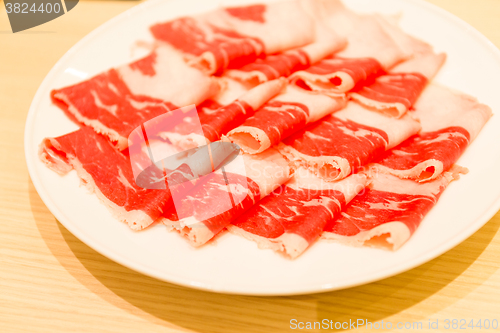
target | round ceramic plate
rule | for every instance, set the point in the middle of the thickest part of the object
(234, 264)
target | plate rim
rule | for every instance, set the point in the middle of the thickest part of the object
(31, 155)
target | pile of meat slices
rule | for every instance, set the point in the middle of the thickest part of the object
(343, 135)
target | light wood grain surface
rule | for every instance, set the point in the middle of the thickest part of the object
(52, 282)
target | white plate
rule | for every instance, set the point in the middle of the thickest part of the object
(233, 264)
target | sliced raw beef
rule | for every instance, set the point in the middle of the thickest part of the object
(285, 63)
(137, 195)
(221, 197)
(395, 93)
(218, 121)
(374, 46)
(369, 53)
(375, 33)
(107, 173)
(233, 37)
(293, 216)
(336, 75)
(230, 90)
(164, 75)
(410, 45)
(387, 213)
(450, 122)
(280, 25)
(281, 117)
(208, 47)
(107, 104)
(347, 140)
(272, 67)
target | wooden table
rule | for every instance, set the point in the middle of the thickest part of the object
(52, 282)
